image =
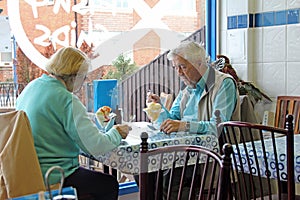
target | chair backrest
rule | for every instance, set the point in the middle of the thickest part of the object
(166, 100)
(287, 105)
(263, 159)
(155, 162)
(20, 172)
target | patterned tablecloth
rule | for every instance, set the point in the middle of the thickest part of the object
(126, 157)
(281, 151)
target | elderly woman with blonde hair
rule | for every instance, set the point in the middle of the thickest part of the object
(61, 127)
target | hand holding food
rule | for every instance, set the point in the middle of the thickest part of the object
(123, 130)
(152, 98)
(104, 115)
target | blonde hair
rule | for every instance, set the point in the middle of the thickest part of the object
(68, 61)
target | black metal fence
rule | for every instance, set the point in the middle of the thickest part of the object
(9, 92)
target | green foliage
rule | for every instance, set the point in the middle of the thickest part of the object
(122, 68)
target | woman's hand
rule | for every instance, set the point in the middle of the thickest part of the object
(153, 98)
(123, 129)
(169, 126)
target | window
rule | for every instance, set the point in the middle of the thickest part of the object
(111, 3)
(122, 3)
(182, 6)
(6, 56)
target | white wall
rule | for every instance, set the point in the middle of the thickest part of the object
(268, 55)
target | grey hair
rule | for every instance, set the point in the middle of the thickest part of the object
(190, 51)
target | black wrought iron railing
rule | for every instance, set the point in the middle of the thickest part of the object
(9, 92)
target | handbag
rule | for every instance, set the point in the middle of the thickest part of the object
(66, 193)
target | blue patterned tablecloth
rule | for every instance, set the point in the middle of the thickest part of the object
(125, 158)
(281, 151)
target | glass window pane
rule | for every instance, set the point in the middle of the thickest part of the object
(183, 6)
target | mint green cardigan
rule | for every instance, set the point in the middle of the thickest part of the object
(61, 126)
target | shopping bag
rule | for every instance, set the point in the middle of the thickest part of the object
(67, 193)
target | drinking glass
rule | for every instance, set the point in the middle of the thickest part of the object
(153, 116)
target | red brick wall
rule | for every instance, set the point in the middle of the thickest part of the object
(152, 3)
(46, 17)
(146, 48)
(26, 70)
(3, 6)
(6, 74)
(200, 4)
(187, 24)
(113, 22)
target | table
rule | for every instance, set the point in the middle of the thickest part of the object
(281, 151)
(125, 158)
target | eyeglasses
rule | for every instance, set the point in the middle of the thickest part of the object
(82, 75)
(183, 67)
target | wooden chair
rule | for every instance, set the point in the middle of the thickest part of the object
(159, 160)
(287, 105)
(252, 151)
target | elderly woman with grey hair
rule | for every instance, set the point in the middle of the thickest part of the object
(61, 127)
(206, 91)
